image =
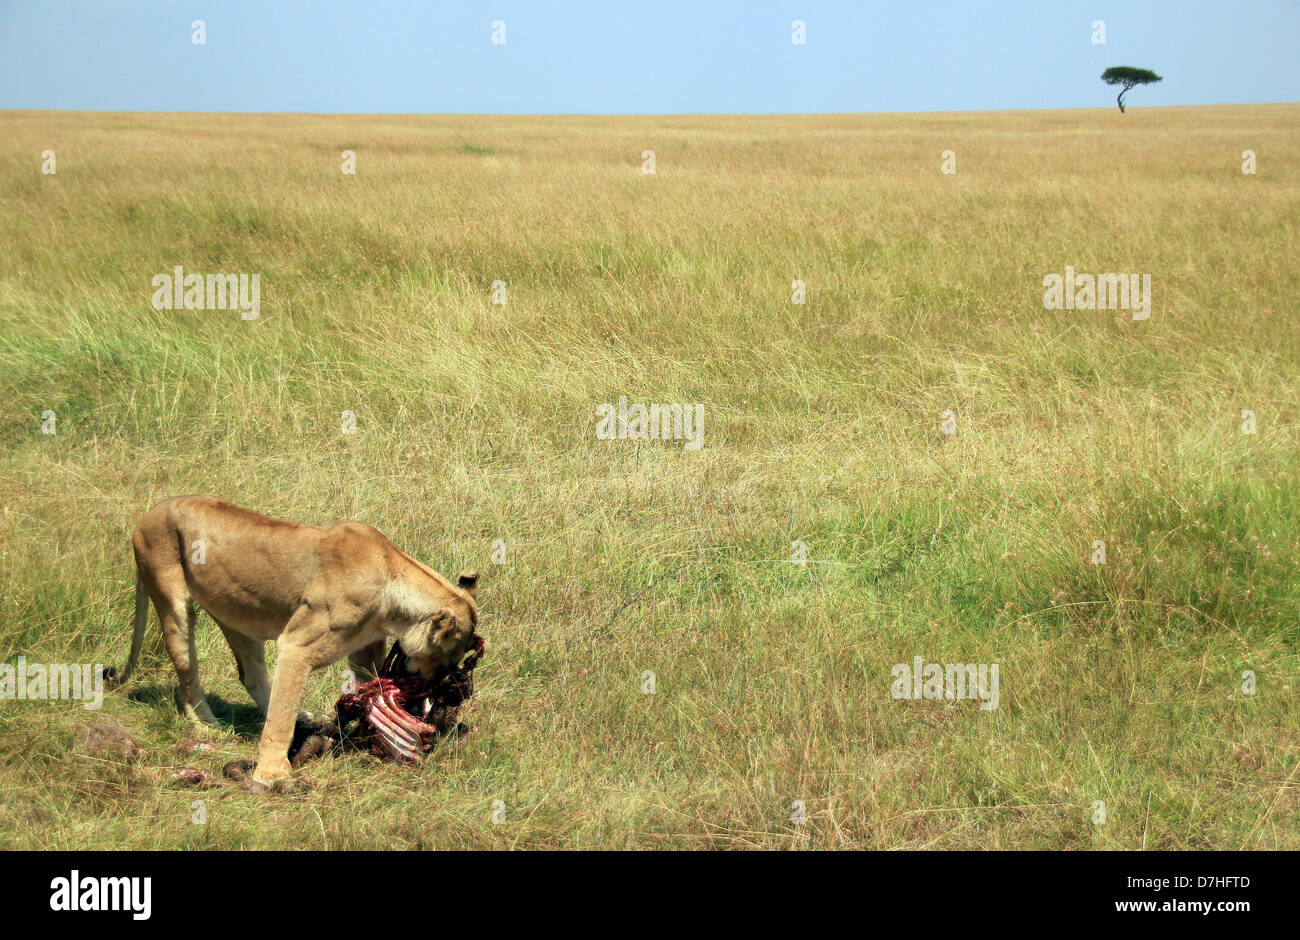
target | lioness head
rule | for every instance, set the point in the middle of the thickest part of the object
(442, 641)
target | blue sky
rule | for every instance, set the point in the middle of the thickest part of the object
(637, 56)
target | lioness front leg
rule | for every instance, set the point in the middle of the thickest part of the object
(291, 672)
(366, 661)
(250, 660)
(310, 640)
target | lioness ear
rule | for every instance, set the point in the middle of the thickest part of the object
(468, 582)
(440, 625)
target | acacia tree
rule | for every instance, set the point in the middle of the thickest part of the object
(1127, 76)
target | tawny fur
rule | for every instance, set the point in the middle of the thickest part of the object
(319, 593)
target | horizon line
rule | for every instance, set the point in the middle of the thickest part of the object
(565, 114)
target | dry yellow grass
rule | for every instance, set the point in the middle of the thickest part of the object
(476, 423)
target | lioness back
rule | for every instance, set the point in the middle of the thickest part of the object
(238, 563)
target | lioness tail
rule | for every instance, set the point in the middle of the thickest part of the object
(111, 675)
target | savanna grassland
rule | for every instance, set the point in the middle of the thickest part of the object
(476, 422)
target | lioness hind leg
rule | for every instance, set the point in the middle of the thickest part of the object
(176, 613)
(250, 660)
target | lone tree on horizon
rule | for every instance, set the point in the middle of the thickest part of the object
(1127, 76)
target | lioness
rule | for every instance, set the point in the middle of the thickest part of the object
(321, 593)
